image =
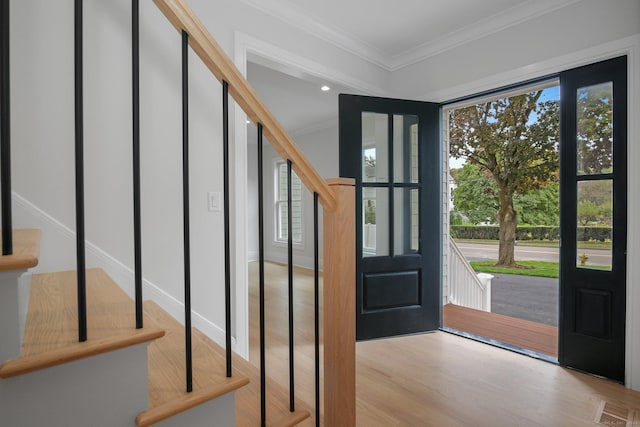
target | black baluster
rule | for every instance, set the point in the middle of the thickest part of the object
(292, 404)
(185, 197)
(137, 222)
(79, 166)
(316, 302)
(5, 131)
(263, 381)
(227, 251)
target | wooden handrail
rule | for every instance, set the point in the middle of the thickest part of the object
(338, 199)
(201, 41)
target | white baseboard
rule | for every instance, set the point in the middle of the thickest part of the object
(298, 260)
(253, 256)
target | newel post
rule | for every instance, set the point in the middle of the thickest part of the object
(339, 307)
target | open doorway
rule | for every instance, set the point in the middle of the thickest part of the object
(506, 143)
(504, 218)
(305, 105)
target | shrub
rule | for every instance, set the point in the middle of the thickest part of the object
(552, 233)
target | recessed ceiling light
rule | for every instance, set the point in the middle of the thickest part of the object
(325, 88)
(248, 121)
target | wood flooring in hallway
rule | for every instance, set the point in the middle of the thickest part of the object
(436, 379)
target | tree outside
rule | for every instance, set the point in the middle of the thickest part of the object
(595, 129)
(476, 198)
(475, 195)
(595, 154)
(512, 143)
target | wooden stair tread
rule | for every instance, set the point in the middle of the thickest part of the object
(247, 393)
(51, 332)
(26, 249)
(167, 389)
(277, 404)
(291, 419)
(248, 398)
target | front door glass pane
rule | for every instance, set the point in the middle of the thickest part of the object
(595, 224)
(406, 221)
(595, 129)
(375, 230)
(375, 147)
(405, 149)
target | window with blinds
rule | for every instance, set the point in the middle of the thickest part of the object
(282, 219)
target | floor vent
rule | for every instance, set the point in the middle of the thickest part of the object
(613, 415)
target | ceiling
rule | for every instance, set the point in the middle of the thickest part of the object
(394, 34)
(418, 29)
(298, 103)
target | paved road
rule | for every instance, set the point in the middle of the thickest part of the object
(483, 251)
(524, 297)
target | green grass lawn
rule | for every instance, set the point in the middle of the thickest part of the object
(538, 268)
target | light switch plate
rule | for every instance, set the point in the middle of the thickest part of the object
(213, 198)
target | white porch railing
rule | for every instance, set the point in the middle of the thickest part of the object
(369, 237)
(466, 288)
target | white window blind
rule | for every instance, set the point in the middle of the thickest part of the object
(282, 220)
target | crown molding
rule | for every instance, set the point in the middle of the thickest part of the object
(626, 46)
(491, 25)
(312, 25)
(494, 24)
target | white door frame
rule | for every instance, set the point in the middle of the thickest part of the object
(629, 46)
(246, 46)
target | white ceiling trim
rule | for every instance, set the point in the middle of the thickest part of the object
(505, 19)
(491, 25)
(308, 24)
(626, 46)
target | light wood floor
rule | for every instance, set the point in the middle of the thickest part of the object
(435, 379)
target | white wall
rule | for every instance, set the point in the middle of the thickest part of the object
(578, 26)
(42, 114)
(252, 202)
(43, 135)
(321, 147)
(582, 33)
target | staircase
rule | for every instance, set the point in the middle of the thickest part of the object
(57, 381)
(76, 350)
(119, 374)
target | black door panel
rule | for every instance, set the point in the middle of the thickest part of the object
(390, 290)
(392, 149)
(593, 173)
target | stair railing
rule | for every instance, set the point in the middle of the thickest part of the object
(336, 196)
(465, 287)
(338, 200)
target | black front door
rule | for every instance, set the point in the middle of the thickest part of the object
(392, 149)
(594, 209)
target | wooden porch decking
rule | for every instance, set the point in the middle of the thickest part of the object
(520, 333)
